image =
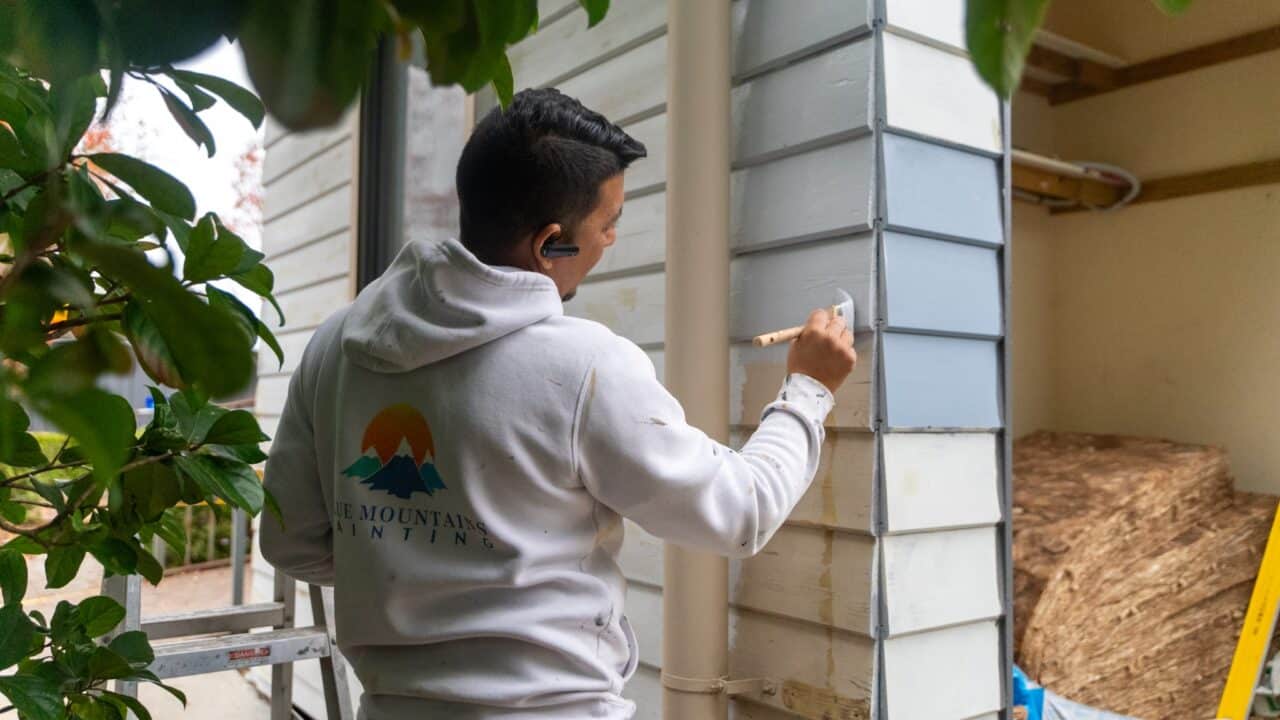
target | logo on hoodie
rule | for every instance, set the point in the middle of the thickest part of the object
(399, 454)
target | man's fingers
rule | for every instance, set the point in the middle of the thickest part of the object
(818, 320)
(846, 336)
(836, 324)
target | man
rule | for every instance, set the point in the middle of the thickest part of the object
(456, 455)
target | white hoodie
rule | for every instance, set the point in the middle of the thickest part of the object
(456, 456)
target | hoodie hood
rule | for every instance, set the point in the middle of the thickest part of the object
(438, 300)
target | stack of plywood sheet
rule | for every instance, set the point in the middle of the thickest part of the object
(1134, 561)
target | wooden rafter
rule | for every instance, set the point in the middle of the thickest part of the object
(1231, 177)
(1086, 78)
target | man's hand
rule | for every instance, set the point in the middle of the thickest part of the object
(824, 351)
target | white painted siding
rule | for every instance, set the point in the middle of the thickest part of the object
(803, 194)
(307, 238)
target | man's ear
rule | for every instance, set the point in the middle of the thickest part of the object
(548, 234)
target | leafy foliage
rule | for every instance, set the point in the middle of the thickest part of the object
(89, 286)
(999, 34)
(307, 58)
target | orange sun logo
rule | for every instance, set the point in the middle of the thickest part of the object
(395, 424)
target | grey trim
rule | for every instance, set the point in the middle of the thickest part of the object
(1005, 537)
(879, 512)
(380, 186)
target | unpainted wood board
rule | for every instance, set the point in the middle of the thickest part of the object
(819, 194)
(938, 94)
(567, 46)
(949, 673)
(840, 496)
(645, 690)
(941, 382)
(938, 20)
(821, 576)
(941, 578)
(625, 87)
(310, 306)
(827, 95)
(941, 190)
(324, 215)
(295, 148)
(942, 286)
(804, 656)
(768, 33)
(756, 374)
(313, 263)
(740, 709)
(940, 480)
(822, 669)
(313, 178)
(291, 343)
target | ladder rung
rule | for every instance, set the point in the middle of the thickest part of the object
(239, 618)
(193, 657)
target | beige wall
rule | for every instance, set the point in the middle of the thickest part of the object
(1161, 319)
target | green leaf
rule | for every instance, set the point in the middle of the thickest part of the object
(35, 697)
(273, 507)
(238, 427)
(149, 346)
(524, 20)
(503, 81)
(165, 192)
(194, 415)
(134, 647)
(25, 545)
(73, 106)
(152, 489)
(103, 425)
(204, 340)
(596, 10)
(999, 35)
(148, 566)
(99, 615)
(106, 664)
(242, 100)
(251, 453)
(1173, 7)
(260, 280)
(25, 452)
(127, 704)
(57, 40)
(50, 492)
(84, 707)
(173, 531)
(308, 58)
(116, 556)
(62, 564)
(13, 576)
(211, 254)
(190, 123)
(16, 634)
(234, 482)
(148, 676)
(200, 100)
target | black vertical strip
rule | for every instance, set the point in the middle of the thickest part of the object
(1006, 438)
(380, 194)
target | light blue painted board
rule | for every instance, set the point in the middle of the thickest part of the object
(942, 286)
(941, 190)
(940, 382)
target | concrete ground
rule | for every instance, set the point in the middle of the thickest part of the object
(216, 696)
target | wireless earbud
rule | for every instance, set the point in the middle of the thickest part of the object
(552, 250)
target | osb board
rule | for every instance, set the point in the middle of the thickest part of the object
(1147, 627)
(1066, 483)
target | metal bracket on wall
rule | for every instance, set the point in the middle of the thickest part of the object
(714, 686)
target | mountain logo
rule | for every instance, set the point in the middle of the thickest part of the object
(398, 454)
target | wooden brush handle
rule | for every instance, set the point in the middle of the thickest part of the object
(787, 335)
(777, 336)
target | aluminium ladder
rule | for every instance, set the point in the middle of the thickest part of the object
(226, 642)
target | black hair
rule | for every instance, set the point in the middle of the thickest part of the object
(539, 161)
